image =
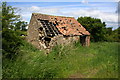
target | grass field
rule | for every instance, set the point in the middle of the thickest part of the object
(100, 60)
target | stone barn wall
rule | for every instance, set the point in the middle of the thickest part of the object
(32, 33)
(62, 40)
(46, 31)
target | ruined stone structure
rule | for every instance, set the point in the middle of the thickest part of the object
(45, 31)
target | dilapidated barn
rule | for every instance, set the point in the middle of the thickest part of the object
(46, 31)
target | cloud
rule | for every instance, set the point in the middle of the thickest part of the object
(84, 1)
(110, 18)
(107, 17)
(43, 10)
(117, 0)
(76, 12)
(26, 12)
(35, 8)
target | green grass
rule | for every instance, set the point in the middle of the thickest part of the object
(100, 60)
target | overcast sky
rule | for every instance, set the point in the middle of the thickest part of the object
(103, 9)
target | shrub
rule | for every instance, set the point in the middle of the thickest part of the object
(10, 43)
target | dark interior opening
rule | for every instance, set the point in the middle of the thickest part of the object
(55, 18)
(56, 22)
(64, 28)
(41, 28)
(82, 39)
(40, 38)
(50, 28)
(47, 39)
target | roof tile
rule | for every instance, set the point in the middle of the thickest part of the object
(66, 25)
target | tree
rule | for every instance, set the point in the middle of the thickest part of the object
(21, 25)
(116, 34)
(8, 16)
(11, 26)
(95, 26)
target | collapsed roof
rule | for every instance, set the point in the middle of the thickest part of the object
(65, 25)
